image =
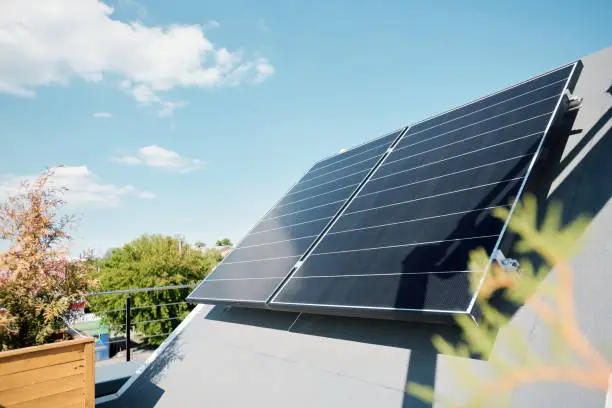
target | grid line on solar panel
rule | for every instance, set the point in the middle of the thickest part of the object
(397, 258)
(306, 209)
(271, 250)
(276, 242)
(411, 206)
(438, 135)
(542, 108)
(432, 196)
(352, 179)
(457, 162)
(382, 274)
(479, 134)
(349, 170)
(261, 260)
(311, 214)
(341, 168)
(361, 290)
(401, 245)
(435, 297)
(490, 106)
(327, 182)
(452, 182)
(264, 269)
(303, 230)
(503, 114)
(445, 175)
(248, 278)
(292, 225)
(246, 291)
(337, 195)
(316, 195)
(385, 140)
(495, 144)
(382, 147)
(499, 195)
(454, 143)
(416, 219)
(381, 308)
(560, 72)
(452, 157)
(450, 227)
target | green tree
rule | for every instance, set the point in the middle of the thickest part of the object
(200, 245)
(150, 261)
(224, 242)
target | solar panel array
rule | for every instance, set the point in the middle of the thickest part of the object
(257, 266)
(401, 242)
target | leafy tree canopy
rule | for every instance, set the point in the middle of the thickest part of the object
(224, 242)
(150, 261)
(38, 282)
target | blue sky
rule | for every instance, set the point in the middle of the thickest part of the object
(193, 117)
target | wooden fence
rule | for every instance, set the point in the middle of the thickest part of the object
(57, 375)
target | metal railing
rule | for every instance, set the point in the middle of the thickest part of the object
(131, 328)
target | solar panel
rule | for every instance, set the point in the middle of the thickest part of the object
(401, 245)
(259, 263)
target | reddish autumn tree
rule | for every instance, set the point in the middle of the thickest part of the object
(38, 281)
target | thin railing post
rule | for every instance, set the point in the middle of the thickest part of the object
(128, 324)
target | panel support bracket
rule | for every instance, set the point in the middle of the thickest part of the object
(508, 264)
(573, 102)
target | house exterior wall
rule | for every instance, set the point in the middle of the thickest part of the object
(232, 357)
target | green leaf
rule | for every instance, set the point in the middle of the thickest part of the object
(423, 392)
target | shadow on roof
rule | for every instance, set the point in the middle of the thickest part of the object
(414, 336)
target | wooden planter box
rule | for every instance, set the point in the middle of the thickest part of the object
(52, 375)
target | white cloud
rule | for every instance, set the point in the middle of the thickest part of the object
(54, 41)
(84, 187)
(133, 5)
(168, 108)
(131, 160)
(147, 195)
(157, 156)
(264, 70)
(212, 24)
(102, 115)
(145, 96)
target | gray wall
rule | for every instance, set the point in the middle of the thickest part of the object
(231, 357)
